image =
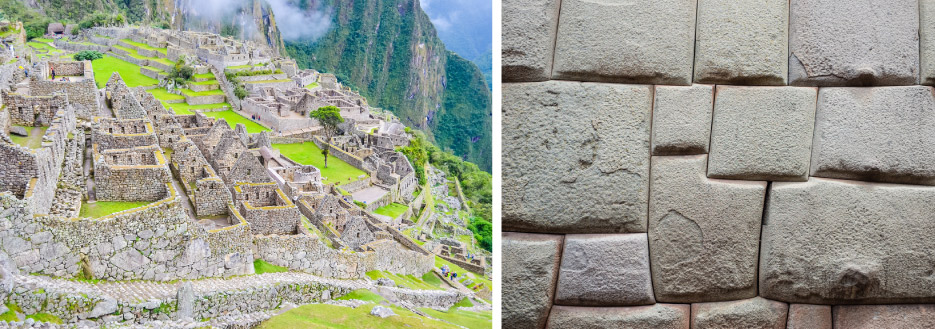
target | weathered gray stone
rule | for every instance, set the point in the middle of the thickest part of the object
(831, 242)
(641, 41)
(105, 307)
(530, 271)
(129, 260)
(875, 134)
(927, 42)
(18, 130)
(605, 269)
(657, 316)
(703, 234)
(762, 133)
(884, 316)
(682, 119)
(808, 316)
(382, 312)
(186, 301)
(838, 43)
(575, 157)
(7, 271)
(742, 42)
(528, 39)
(749, 313)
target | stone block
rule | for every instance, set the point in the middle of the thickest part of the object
(605, 269)
(927, 42)
(749, 313)
(575, 157)
(742, 42)
(530, 271)
(641, 41)
(703, 233)
(838, 43)
(528, 39)
(656, 316)
(682, 119)
(808, 316)
(19, 131)
(884, 316)
(762, 133)
(844, 242)
(875, 134)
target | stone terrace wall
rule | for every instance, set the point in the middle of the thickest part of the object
(72, 69)
(81, 94)
(789, 149)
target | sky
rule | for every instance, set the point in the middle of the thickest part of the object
(465, 26)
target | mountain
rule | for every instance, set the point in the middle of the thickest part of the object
(465, 26)
(390, 52)
(484, 62)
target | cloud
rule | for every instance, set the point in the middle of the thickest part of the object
(300, 24)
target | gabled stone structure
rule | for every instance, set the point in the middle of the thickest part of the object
(266, 208)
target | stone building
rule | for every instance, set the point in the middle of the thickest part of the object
(266, 208)
(131, 174)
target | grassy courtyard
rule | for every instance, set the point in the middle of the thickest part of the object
(34, 140)
(261, 266)
(185, 109)
(233, 118)
(105, 67)
(164, 95)
(429, 281)
(393, 210)
(308, 153)
(103, 208)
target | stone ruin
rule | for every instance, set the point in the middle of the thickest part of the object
(726, 164)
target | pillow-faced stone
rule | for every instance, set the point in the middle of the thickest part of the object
(528, 39)
(884, 316)
(839, 43)
(808, 316)
(882, 134)
(749, 313)
(703, 233)
(638, 41)
(762, 133)
(742, 42)
(927, 42)
(605, 269)
(682, 119)
(530, 270)
(657, 316)
(843, 242)
(575, 157)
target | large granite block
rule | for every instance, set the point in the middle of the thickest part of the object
(575, 157)
(749, 313)
(884, 316)
(605, 270)
(703, 233)
(742, 42)
(808, 316)
(657, 316)
(927, 42)
(528, 39)
(762, 133)
(639, 41)
(682, 119)
(530, 270)
(884, 134)
(844, 242)
(839, 43)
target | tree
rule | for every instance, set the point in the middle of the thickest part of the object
(329, 117)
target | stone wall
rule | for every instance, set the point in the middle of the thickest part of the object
(82, 94)
(726, 164)
(137, 174)
(71, 69)
(33, 111)
(341, 154)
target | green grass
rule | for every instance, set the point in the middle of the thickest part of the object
(271, 81)
(312, 85)
(192, 93)
(362, 294)
(129, 50)
(164, 51)
(462, 273)
(464, 302)
(42, 40)
(185, 109)
(262, 266)
(393, 210)
(408, 281)
(308, 153)
(203, 76)
(233, 118)
(463, 318)
(44, 46)
(34, 140)
(105, 67)
(103, 208)
(207, 82)
(10, 315)
(45, 317)
(339, 317)
(164, 95)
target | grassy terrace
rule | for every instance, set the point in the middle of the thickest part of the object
(105, 67)
(206, 82)
(261, 266)
(462, 273)
(312, 85)
(429, 281)
(271, 81)
(233, 118)
(34, 140)
(204, 76)
(164, 95)
(164, 51)
(393, 210)
(103, 208)
(185, 109)
(308, 153)
(192, 93)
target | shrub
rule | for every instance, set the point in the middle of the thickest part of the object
(88, 55)
(99, 19)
